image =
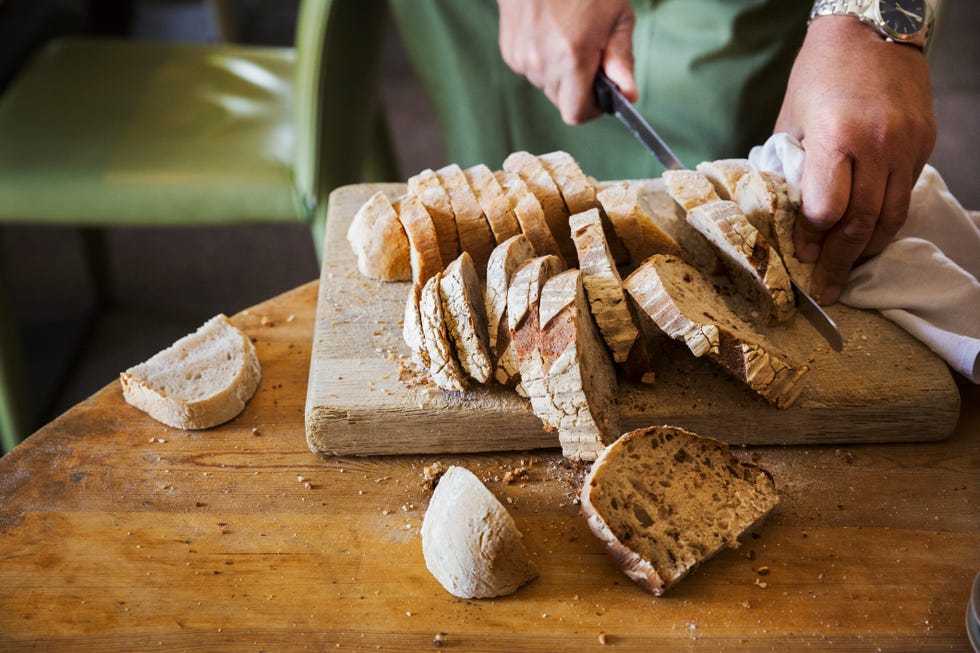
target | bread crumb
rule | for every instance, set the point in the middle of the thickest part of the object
(431, 475)
(747, 605)
(763, 570)
(602, 638)
(437, 640)
(761, 584)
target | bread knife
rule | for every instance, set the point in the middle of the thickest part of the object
(611, 100)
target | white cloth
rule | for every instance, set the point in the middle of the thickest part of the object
(926, 280)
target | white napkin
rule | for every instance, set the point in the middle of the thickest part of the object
(926, 279)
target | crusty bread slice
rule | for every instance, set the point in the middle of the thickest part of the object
(637, 228)
(475, 236)
(529, 214)
(763, 198)
(470, 542)
(493, 200)
(423, 240)
(412, 327)
(466, 317)
(379, 241)
(523, 299)
(603, 285)
(575, 394)
(689, 188)
(724, 174)
(756, 269)
(504, 261)
(576, 189)
(664, 500)
(202, 380)
(427, 187)
(443, 364)
(687, 308)
(539, 182)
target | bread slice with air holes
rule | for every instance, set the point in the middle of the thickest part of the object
(493, 200)
(443, 364)
(575, 394)
(427, 187)
(764, 199)
(466, 317)
(687, 308)
(379, 241)
(756, 269)
(539, 182)
(505, 259)
(475, 236)
(529, 214)
(423, 241)
(470, 542)
(412, 327)
(202, 380)
(664, 500)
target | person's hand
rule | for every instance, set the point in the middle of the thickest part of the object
(862, 108)
(559, 46)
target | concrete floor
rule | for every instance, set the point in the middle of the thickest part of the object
(169, 281)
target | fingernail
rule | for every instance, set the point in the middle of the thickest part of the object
(828, 295)
(809, 253)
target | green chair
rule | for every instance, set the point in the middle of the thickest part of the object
(98, 132)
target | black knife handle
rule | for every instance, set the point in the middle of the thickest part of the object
(603, 88)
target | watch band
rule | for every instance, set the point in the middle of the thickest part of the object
(865, 10)
(848, 7)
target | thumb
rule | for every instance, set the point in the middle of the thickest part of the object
(617, 57)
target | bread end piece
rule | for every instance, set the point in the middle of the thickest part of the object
(202, 380)
(379, 241)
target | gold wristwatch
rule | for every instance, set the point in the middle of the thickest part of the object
(901, 21)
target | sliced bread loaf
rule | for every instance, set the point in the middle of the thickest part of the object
(603, 285)
(379, 241)
(756, 269)
(687, 308)
(664, 500)
(466, 317)
(443, 364)
(470, 542)
(576, 391)
(423, 241)
(576, 189)
(529, 214)
(202, 380)
(539, 182)
(493, 200)
(504, 261)
(427, 187)
(475, 236)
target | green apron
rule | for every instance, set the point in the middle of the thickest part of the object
(711, 76)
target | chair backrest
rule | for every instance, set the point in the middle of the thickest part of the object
(338, 51)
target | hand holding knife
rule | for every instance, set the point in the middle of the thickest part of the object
(611, 101)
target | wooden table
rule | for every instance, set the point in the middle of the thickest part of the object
(117, 533)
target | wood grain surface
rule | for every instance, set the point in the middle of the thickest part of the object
(365, 396)
(120, 534)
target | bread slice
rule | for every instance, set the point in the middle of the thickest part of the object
(756, 269)
(475, 236)
(529, 214)
(764, 199)
(423, 240)
(470, 542)
(523, 298)
(689, 188)
(664, 500)
(443, 364)
(412, 327)
(724, 174)
(493, 200)
(504, 261)
(639, 230)
(576, 189)
(427, 187)
(379, 241)
(466, 317)
(603, 285)
(539, 181)
(576, 391)
(687, 308)
(202, 380)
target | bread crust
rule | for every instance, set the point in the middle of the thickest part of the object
(529, 214)
(475, 236)
(427, 187)
(423, 240)
(539, 182)
(504, 261)
(379, 241)
(493, 200)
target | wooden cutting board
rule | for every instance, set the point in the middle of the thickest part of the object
(366, 397)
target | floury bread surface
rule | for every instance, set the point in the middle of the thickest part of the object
(202, 380)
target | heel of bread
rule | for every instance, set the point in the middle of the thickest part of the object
(490, 301)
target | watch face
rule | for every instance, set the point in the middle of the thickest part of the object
(902, 17)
